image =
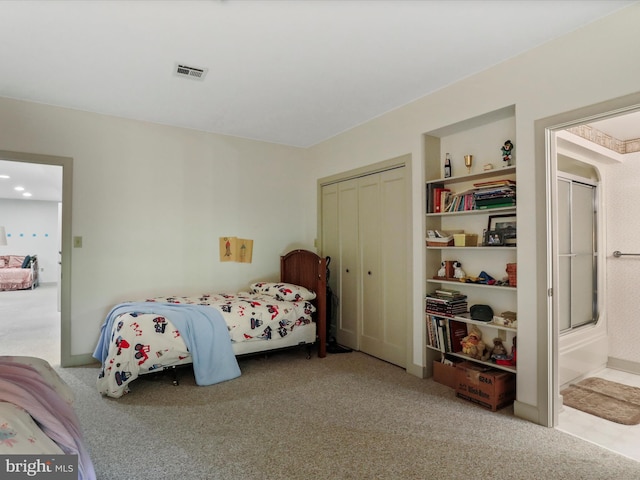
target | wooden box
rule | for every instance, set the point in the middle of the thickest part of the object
(445, 374)
(465, 239)
(488, 387)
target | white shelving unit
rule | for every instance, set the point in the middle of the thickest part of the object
(482, 137)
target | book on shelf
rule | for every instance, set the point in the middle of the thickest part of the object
(447, 293)
(434, 197)
(446, 305)
(496, 196)
(497, 205)
(457, 331)
(445, 334)
(495, 183)
(439, 199)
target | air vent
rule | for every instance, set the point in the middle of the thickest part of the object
(195, 73)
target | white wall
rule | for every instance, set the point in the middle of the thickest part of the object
(32, 229)
(623, 274)
(151, 201)
(591, 65)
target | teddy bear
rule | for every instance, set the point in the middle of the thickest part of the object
(498, 348)
(473, 345)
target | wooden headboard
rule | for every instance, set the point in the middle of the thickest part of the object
(305, 268)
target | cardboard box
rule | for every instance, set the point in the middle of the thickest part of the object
(465, 240)
(445, 374)
(488, 387)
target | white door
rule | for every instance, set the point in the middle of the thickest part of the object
(349, 276)
(383, 250)
(393, 266)
(331, 248)
(369, 221)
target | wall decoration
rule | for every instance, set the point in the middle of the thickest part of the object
(233, 249)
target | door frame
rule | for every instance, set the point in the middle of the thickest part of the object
(65, 233)
(549, 400)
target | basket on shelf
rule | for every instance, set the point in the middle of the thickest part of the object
(512, 271)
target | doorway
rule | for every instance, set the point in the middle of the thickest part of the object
(64, 283)
(594, 157)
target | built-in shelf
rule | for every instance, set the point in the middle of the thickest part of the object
(467, 319)
(506, 368)
(468, 284)
(479, 247)
(496, 172)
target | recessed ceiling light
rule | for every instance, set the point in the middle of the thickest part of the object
(19, 189)
(26, 194)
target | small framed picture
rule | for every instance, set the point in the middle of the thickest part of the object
(506, 225)
(493, 238)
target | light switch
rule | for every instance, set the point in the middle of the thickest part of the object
(77, 242)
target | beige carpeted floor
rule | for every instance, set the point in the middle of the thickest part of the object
(348, 416)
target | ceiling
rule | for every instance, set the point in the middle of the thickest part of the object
(282, 71)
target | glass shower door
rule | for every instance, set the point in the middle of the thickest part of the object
(577, 254)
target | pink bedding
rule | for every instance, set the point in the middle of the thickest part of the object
(28, 388)
(13, 276)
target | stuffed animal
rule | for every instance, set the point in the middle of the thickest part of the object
(498, 348)
(473, 345)
(458, 272)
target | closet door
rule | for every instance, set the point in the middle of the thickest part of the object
(349, 267)
(331, 248)
(393, 265)
(382, 225)
(369, 223)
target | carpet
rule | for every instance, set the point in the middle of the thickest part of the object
(605, 399)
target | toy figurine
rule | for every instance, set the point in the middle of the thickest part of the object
(506, 152)
(458, 272)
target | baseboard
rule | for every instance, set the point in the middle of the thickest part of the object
(624, 365)
(527, 412)
(78, 360)
(417, 370)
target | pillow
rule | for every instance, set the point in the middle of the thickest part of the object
(27, 261)
(287, 292)
(15, 261)
(3, 261)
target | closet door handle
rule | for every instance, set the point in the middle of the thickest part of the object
(369, 272)
(347, 270)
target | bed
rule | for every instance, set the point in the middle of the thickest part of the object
(37, 415)
(18, 272)
(209, 331)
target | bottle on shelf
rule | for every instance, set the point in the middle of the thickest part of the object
(447, 166)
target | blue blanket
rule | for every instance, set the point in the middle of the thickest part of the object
(202, 328)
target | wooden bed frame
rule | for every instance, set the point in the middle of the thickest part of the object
(305, 268)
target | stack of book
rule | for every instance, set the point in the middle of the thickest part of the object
(495, 194)
(446, 302)
(444, 334)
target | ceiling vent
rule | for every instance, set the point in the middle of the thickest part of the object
(195, 73)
